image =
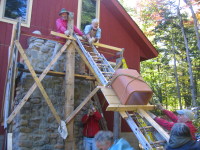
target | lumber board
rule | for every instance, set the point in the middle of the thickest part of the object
(34, 86)
(107, 91)
(112, 100)
(154, 124)
(37, 81)
(95, 44)
(9, 141)
(123, 114)
(119, 107)
(85, 101)
(60, 74)
(69, 84)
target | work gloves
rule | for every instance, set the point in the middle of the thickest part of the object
(67, 33)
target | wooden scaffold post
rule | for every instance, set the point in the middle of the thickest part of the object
(69, 85)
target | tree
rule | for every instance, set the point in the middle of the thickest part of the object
(188, 2)
(192, 86)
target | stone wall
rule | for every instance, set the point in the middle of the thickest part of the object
(35, 127)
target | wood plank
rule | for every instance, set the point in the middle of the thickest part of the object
(113, 100)
(69, 85)
(33, 87)
(95, 44)
(117, 107)
(123, 114)
(9, 141)
(60, 74)
(107, 91)
(162, 132)
(38, 82)
(108, 47)
(62, 35)
(85, 101)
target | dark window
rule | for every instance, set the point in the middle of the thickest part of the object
(15, 9)
(88, 12)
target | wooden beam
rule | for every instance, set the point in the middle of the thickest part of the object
(108, 47)
(162, 132)
(119, 107)
(33, 87)
(69, 85)
(123, 114)
(85, 101)
(9, 141)
(37, 81)
(62, 35)
(60, 74)
(95, 44)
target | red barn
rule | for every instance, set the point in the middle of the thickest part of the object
(118, 28)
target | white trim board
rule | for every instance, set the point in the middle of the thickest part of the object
(12, 21)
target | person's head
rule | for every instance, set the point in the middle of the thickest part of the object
(180, 130)
(64, 14)
(104, 140)
(185, 115)
(95, 23)
(92, 109)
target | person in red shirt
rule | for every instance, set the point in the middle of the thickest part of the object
(184, 116)
(91, 127)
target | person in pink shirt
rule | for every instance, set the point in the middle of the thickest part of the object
(61, 26)
(61, 23)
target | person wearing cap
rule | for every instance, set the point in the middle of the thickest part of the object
(181, 139)
(104, 141)
(184, 116)
(91, 127)
(92, 32)
(61, 23)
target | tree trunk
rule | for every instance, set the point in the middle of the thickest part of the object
(192, 86)
(175, 72)
(195, 22)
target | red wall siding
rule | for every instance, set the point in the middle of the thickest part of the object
(115, 34)
(44, 14)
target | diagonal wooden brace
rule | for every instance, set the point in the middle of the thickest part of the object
(31, 90)
(73, 114)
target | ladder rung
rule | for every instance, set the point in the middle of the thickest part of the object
(147, 127)
(97, 57)
(102, 65)
(108, 72)
(93, 53)
(157, 142)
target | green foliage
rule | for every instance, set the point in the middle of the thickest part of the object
(88, 12)
(158, 20)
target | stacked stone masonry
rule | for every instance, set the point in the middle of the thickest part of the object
(35, 127)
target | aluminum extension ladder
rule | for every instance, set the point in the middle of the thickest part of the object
(104, 72)
(98, 62)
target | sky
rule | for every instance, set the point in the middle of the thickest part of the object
(132, 3)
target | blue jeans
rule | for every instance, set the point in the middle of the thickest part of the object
(89, 144)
